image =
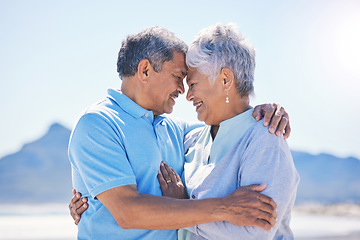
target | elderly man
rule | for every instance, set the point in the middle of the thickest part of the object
(118, 144)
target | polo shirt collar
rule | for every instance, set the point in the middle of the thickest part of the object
(128, 105)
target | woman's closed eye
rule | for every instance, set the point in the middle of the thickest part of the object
(191, 85)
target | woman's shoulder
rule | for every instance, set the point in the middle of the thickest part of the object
(259, 134)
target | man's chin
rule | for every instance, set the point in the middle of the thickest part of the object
(169, 111)
(170, 108)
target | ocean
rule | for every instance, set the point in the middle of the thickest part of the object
(52, 222)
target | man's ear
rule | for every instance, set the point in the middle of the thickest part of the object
(144, 67)
(228, 78)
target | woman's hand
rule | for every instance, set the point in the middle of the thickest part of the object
(77, 206)
(170, 182)
(276, 116)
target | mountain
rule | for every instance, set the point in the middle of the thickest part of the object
(327, 179)
(40, 173)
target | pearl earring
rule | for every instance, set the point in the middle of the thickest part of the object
(227, 97)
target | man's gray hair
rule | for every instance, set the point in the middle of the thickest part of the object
(155, 44)
(223, 46)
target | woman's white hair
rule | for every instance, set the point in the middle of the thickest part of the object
(223, 46)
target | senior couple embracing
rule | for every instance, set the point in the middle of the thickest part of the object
(144, 175)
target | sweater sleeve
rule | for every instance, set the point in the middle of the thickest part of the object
(266, 159)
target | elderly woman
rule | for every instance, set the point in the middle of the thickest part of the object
(233, 150)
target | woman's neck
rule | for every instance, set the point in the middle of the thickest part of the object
(213, 131)
(236, 108)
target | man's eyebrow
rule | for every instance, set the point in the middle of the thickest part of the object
(183, 74)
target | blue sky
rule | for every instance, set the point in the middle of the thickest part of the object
(57, 57)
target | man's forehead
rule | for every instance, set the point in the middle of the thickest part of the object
(179, 65)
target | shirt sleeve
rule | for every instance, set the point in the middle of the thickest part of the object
(97, 152)
(186, 126)
(267, 159)
(189, 126)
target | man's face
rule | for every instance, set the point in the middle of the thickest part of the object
(168, 84)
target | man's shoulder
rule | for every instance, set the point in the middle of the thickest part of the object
(95, 115)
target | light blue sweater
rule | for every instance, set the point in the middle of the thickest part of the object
(243, 153)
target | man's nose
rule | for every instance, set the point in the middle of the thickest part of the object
(181, 88)
(189, 95)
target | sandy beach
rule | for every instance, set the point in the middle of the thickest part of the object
(54, 222)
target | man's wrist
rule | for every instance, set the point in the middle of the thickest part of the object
(221, 210)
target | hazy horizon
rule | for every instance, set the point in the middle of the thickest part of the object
(57, 57)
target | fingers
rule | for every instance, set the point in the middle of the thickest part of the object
(282, 125)
(168, 173)
(276, 118)
(161, 180)
(165, 177)
(265, 220)
(287, 130)
(258, 112)
(263, 224)
(164, 172)
(77, 206)
(265, 212)
(267, 205)
(81, 205)
(171, 173)
(74, 199)
(178, 178)
(256, 187)
(80, 208)
(256, 209)
(72, 207)
(268, 110)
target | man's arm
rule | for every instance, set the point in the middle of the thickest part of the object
(131, 209)
(273, 115)
(245, 207)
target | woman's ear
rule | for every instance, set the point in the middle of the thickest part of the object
(228, 76)
(144, 67)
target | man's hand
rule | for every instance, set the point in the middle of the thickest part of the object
(170, 182)
(276, 116)
(247, 207)
(77, 206)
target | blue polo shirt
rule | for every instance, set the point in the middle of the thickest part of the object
(115, 143)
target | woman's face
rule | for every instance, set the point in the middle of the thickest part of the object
(208, 98)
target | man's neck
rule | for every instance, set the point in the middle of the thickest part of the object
(130, 88)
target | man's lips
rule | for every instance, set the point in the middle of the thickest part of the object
(197, 105)
(174, 96)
